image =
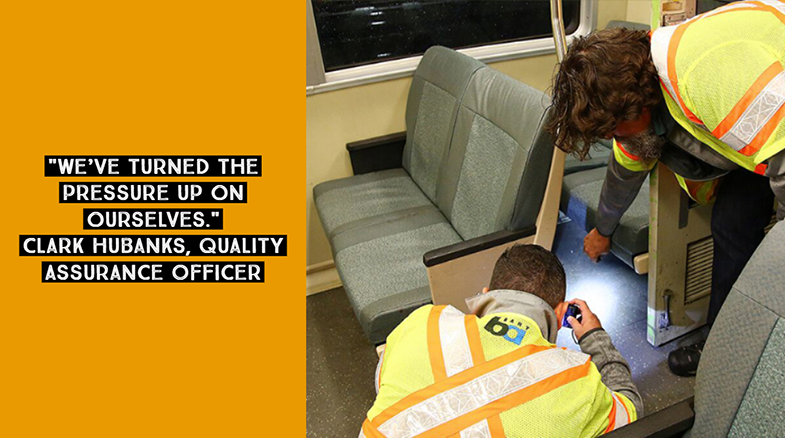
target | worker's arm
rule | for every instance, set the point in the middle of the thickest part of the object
(596, 342)
(623, 180)
(776, 173)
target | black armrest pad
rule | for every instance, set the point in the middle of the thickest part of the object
(462, 249)
(375, 154)
(672, 421)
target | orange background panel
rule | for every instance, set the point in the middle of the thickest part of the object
(157, 78)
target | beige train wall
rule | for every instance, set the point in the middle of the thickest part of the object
(342, 116)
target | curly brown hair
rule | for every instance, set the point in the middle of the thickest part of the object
(605, 78)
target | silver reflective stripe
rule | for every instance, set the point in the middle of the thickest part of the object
(755, 117)
(458, 357)
(660, 41)
(485, 389)
(377, 376)
(621, 413)
(477, 430)
(778, 5)
(455, 341)
(362, 434)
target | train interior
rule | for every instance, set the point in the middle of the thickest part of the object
(424, 163)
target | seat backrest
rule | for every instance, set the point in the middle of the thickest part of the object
(499, 157)
(740, 380)
(437, 87)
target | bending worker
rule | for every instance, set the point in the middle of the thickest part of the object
(705, 98)
(496, 372)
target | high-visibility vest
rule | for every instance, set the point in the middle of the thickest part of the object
(723, 80)
(445, 374)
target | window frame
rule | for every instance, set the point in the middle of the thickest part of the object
(319, 81)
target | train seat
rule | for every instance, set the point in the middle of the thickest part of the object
(475, 162)
(599, 156)
(581, 199)
(736, 388)
(438, 84)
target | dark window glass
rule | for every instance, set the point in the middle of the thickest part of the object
(353, 33)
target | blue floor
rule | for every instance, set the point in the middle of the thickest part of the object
(340, 361)
(618, 296)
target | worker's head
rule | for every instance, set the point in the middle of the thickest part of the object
(532, 269)
(605, 87)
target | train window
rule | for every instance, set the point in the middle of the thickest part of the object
(353, 33)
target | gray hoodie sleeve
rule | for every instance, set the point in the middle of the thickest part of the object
(620, 188)
(776, 174)
(613, 368)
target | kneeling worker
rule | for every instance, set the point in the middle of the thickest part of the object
(496, 372)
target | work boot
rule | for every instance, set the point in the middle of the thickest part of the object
(684, 361)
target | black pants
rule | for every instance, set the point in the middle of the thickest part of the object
(741, 211)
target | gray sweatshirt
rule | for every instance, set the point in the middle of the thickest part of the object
(683, 154)
(597, 343)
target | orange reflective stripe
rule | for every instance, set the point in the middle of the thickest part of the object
(368, 431)
(495, 425)
(765, 133)
(510, 401)
(745, 101)
(473, 333)
(778, 12)
(611, 416)
(627, 154)
(454, 381)
(435, 344)
(672, 46)
(760, 169)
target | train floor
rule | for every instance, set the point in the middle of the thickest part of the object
(341, 362)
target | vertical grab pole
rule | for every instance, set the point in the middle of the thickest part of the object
(557, 22)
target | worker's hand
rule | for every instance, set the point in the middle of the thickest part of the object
(596, 245)
(588, 322)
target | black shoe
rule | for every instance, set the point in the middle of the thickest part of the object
(684, 361)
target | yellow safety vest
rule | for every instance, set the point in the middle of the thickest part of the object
(723, 80)
(444, 374)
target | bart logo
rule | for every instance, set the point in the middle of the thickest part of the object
(498, 328)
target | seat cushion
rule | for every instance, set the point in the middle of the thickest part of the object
(438, 85)
(382, 270)
(740, 373)
(581, 198)
(366, 199)
(599, 156)
(499, 158)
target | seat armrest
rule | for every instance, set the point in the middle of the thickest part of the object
(459, 271)
(672, 421)
(468, 247)
(378, 153)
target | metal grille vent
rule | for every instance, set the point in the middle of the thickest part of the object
(700, 255)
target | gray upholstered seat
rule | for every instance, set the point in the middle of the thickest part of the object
(438, 85)
(382, 271)
(581, 198)
(366, 199)
(738, 388)
(499, 157)
(476, 161)
(599, 156)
